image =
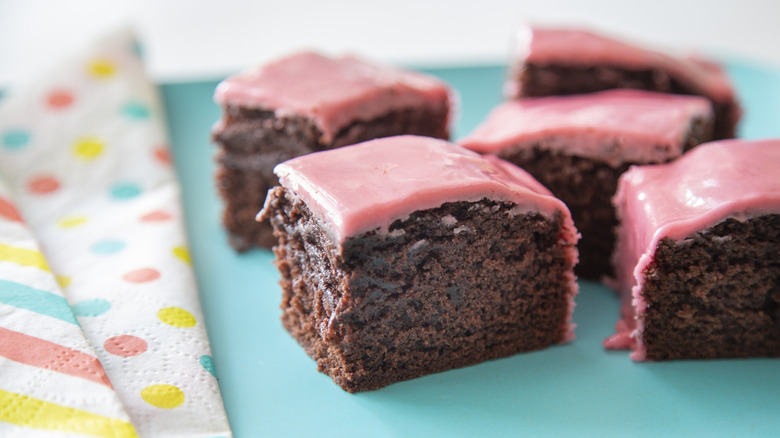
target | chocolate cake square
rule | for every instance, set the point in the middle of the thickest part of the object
(408, 255)
(304, 103)
(570, 61)
(698, 254)
(578, 146)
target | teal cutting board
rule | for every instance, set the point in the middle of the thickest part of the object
(271, 387)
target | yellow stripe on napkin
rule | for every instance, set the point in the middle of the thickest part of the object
(25, 411)
(23, 257)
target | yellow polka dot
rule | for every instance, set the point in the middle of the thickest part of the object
(71, 221)
(182, 253)
(163, 396)
(88, 148)
(176, 317)
(63, 281)
(102, 68)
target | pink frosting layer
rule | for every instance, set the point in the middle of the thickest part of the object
(615, 126)
(370, 185)
(333, 93)
(581, 48)
(716, 181)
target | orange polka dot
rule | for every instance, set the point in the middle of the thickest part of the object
(43, 184)
(8, 211)
(143, 275)
(59, 99)
(155, 216)
(125, 345)
(162, 154)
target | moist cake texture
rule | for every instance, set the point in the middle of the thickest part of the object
(578, 146)
(569, 61)
(698, 254)
(408, 255)
(305, 103)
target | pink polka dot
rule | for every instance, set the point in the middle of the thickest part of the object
(125, 345)
(8, 211)
(143, 275)
(59, 99)
(43, 184)
(162, 154)
(156, 216)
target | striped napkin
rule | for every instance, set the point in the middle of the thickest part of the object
(42, 347)
(83, 152)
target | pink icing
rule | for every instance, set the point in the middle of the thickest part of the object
(331, 92)
(581, 48)
(716, 181)
(615, 126)
(370, 185)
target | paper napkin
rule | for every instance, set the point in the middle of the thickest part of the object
(84, 153)
(42, 348)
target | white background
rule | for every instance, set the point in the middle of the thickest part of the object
(200, 39)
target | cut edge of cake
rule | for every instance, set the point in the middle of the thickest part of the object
(724, 185)
(424, 238)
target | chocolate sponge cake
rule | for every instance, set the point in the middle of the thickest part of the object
(305, 103)
(408, 255)
(579, 145)
(569, 61)
(698, 254)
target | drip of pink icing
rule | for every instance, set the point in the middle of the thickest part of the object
(615, 126)
(581, 48)
(716, 181)
(331, 92)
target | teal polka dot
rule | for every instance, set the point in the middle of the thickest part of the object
(15, 138)
(109, 246)
(124, 191)
(94, 307)
(136, 110)
(207, 362)
(138, 48)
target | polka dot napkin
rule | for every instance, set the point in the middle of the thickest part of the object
(84, 154)
(42, 347)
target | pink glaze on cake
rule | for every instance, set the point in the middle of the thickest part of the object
(368, 186)
(333, 93)
(615, 126)
(716, 181)
(581, 48)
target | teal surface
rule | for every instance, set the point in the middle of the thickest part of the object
(271, 387)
